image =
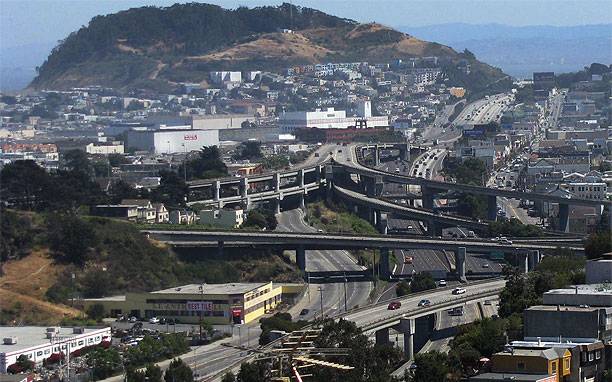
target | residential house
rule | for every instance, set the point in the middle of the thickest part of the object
(224, 218)
(185, 217)
(161, 213)
(115, 211)
(146, 212)
(536, 361)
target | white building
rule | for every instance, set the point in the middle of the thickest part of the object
(223, 77)
(172, 141)
(587, 190)
(112, 148)
(38, 343)
(224, 218)
(328, 119)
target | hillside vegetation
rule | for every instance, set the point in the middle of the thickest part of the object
(106, 257)
(156, 48)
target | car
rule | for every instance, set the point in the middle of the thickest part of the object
(304, 312)
(319, 230)
(153, 320)
(394, 305)
(459, 291)
(133, 319)
(410, 227)
(485, 265)
(487, 302)
(424, 302)
(457, 311)
(397, 170)
(316, 155)
(442, 283)
(408, 259)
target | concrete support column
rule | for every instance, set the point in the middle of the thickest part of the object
(407, 328)
(534, 259)
(277, 206)
(411, 202)
(382, 336)
(373, 216)
(329, 179)
(376, 156)
(300, 258)
(427, 196)
(460, 255)
(300, 177)
(385, 272)
(563, 217)
(378, 185)
(246, 203)
(318, 174)
(383, 225)
(523, 262)
(302, 201)
(434, 229)
(216, 190)
(244, 187)
(277, 182)
(491, 207)
(220, 245)
(405, 151)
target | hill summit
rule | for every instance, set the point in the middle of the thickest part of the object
(152, 47)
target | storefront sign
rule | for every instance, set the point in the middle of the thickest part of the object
(199, 306)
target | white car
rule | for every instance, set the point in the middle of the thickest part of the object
(459, 291)
(153, 320)
(442, 283)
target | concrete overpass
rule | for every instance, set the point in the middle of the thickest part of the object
(300, 242)
(352, 164)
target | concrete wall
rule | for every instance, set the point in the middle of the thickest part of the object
(568, 324)
(264, 134)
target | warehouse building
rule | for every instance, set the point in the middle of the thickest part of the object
(215, 303)
(331, 119)
(169, 141)
(38, 343)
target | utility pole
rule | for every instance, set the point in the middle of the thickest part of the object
(201, 307)
(184, 161)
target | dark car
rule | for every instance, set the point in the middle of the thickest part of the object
(304, 312)
(394, 305)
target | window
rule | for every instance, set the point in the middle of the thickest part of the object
(584, 356)
(598, 354)
(567, 363)
(80, 343)
(591, 356)
(47, 351)
(553, 366)
(38, 354)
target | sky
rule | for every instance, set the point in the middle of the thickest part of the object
(25, 22)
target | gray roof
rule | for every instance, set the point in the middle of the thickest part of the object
(508, 377)
(227, 288)
(29, 336)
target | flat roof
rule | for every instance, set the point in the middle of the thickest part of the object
(227, 288)
(571, 308)
(584, 289)
(509, 376)
(29, 336)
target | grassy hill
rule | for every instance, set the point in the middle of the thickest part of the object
(153, 47)
(107, 257)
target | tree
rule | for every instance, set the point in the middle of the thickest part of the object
(96, 312)
(115, 160)
(597, 244)
(260, 218)
(422, 281)
(229, 377)
(178, 371)
(253, 372)
(70, 237)
(250, 150)
(152, 373)
(172, 189)
(120, 190)
(103, 362)
(25, 185)
(279, 321)
(22, 365)
(432, 366)
(77, 160)
(402, 288)
(207, 165)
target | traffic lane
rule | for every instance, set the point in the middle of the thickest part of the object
(479, 263)
(409, 304)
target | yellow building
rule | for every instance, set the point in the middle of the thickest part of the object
(549, 361)
(214, 303)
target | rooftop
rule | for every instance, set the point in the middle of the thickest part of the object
(585, 289)
(509, 377)
(29, 336)
(227, 288)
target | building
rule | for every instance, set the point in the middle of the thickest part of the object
(543, 83)
(215, 303)
(224, 218)
(575, 323)
(170, 141)
(146, 212)
(38, 343)
(515, 377)
(115, 211)
(542, 362)
(220, 122)
(161, 213)
(105, 149)
(182, 217)
(599, 295)
(600, 270)
(220, 77)
(330, 119)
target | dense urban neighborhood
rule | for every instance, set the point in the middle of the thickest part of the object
(379, 220)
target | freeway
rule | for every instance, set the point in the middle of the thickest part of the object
(376, 316)
(357, 293)
(484, 110)
(289, 240)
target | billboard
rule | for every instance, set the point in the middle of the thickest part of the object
(199, 306)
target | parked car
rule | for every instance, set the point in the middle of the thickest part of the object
(304, 312)
(424, 302)
(394, 305)
(408, 259)
(153, 320)
(459, 291)
(133, 319)
(485, 265)
(442, 283)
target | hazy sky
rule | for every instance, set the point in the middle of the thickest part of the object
(35, 21)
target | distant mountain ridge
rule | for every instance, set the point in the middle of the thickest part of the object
(152, 47)
(520, 50)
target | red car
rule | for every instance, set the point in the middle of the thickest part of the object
(393, 305)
